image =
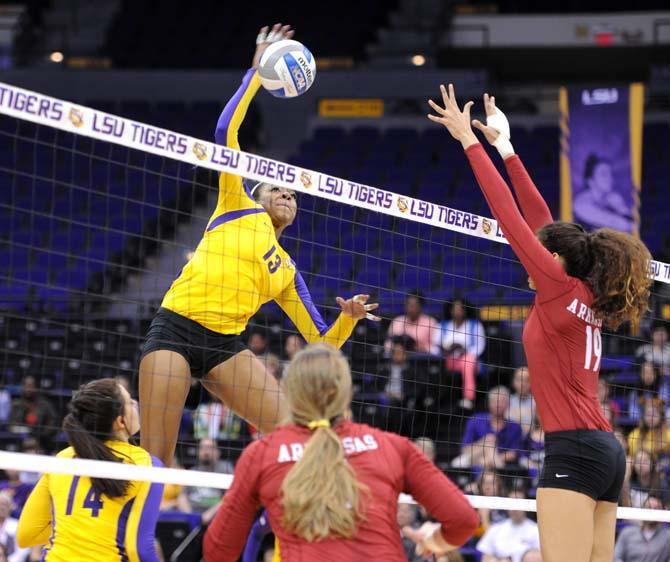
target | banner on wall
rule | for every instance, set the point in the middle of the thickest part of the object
(601, 156)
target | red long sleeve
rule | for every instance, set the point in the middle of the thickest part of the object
(533, 206)
(440, 496)
(227, 534)
(547, 273)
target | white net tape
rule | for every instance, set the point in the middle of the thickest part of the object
(103, 469)
(73, 118)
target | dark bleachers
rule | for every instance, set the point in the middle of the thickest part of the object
(167, 34)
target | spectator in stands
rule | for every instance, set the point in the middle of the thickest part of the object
(30, 446)
(8, 527)
(650, 386)
(414, 324)
(15, 489)
(214, 420)
(8, 524)
(648, 542)
(652, 434)
(395, 372)
(510, 539)
(462, 339)
(272, 364)
(605, 400)
(643, 478)
(533, 451)
(489, 439)
(532, 555)
(5, 405)
(31, 413)
(407, 516)
(258, 343)
(521, 404)
(393, 382)
(293, 344)
(427, 446)
(658, 351)
(196, 499)
(490, 485)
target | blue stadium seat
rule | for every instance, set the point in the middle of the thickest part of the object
(54, 299)
(94, 261)
(13, 297)
(50, 260)
(14, 259)
(111, 241)
(413, 278)
(67, 242)
(30, 238)
(339, 264)
(72, 278)
(31, 275)
(329, 134)
(127, 224)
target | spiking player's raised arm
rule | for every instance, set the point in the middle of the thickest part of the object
(238, 266)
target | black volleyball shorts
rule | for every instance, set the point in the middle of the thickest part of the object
(202, 348)
(590, 462)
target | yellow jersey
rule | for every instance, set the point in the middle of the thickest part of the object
(75, 524)
(239, 264)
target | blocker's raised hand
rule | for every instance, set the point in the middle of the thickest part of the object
(496, 130)
(491, 132)
(456, 121)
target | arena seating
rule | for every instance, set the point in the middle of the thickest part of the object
(166, 34)
(114, 207)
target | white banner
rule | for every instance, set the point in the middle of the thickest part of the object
(77, 119)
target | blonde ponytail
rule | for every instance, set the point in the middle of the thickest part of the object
(321, 496)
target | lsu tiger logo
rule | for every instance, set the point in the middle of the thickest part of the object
(76, 117)
(486, 226)
(306, 179)
(200, 150)
(403, 207)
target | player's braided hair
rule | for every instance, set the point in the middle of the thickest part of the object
(614, 265)
(93, 409)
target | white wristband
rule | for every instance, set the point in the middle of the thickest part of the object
(504, 146)
(500, 123)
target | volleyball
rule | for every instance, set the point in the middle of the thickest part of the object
(287, 69)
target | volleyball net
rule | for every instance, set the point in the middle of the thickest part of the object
(98, 214)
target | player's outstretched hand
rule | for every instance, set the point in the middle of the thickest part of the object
(267, 36)
(357, 308)
(424, 538)
(456, 121)
(489, 131)
(496, 130)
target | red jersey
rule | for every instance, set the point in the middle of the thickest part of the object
(562, 336)
(386, 463)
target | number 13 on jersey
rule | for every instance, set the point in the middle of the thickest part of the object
(594, 348)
